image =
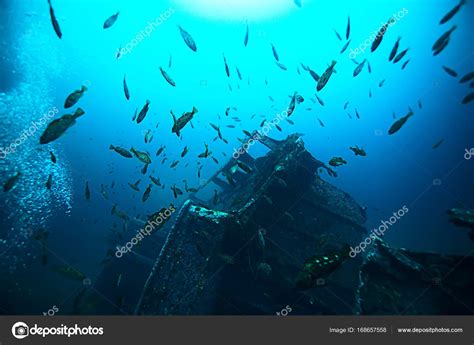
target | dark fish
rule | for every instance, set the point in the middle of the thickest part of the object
(74, 97)
(176, 191)
(87, 191)
(146, 195)
(121, 151)
(321, 122)
(185, 151)
(320, 100)
(370, 93)
(419, 104)
(400, 56)
(358, 151)
(134, 187)
(246, 38)
(381, 82)
(178, 124)
(282, 66)
(337, 161)
(53, 157)
(10, 183)
(170, 61)
(275, 54)
(244, 167)
(291, 107)
(357, 113)
(135, 115)
(160, 150)
(325, 77)
(345, 46)
(437, 144)
(55, 23)
(450, 71)
(145, 169)
(111, 20)
(49, 182)
(167, 77)
(442, 41)
(59, 126)
(368, 67)
(345, 105)
(359, 68)
(399, 123)
(451, 13)
(394, 49)
(468, 99)
(313, 74)
(142, 156)
(143, 112)
(188, 39)
(155, 181)
(206, 152)
(337, 35)
(227, 71)
(348, 28)
(175, 163)
(125, 88)
(405, 64)
(238, 73)
(467, 77)
(319, 266)
(378, 38)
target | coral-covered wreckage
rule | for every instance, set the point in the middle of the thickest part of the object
(275, 236)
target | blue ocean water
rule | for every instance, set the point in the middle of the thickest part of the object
(39, 71)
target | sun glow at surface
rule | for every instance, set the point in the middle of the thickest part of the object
(237, 9)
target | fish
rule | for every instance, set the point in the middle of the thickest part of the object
(393, 53)
(400, 56)
(468, 99)
(87, 191)
(298, 3)
(135, 185)
(176, 191)
(442, 41)
(143, 112)
(74, 97)
(188, 39)
(358, 151)
(58, 127)
(337, 35)
(246, 37)
(290, 122)
(368, 67)
(175, 163)
(244, 167)
(419, 104)
(325, 77)
(111, 20)
(142, 156)
(121, 151)
(370, 93)
(125, 88)
(319, 266)
(275, 54)
(178, 124)
(345, 105)
(206, 152)
(344, 48)
(199, 171)
(399, 123)
(155, 181)
(53, 157)
(291, 107)
(122, 215)
(49, 182)
(382, 82)
(145, 169)
(359, 68)
(313, 74)
(10, 183)
(185, 151)
(450, 71)
(357, 113)
(282, 66)
(148, 136)
(167, 77)
(160, 150)
(452, 13)
(437, 144)
(54, 21)
(321, 122)
(348, 28)
(405, 64)
(70, 273)
(467, 77)
(146, 195)
(170, 61)
(337, 161)
(135, 115)
(238, 73)
(378, 38)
